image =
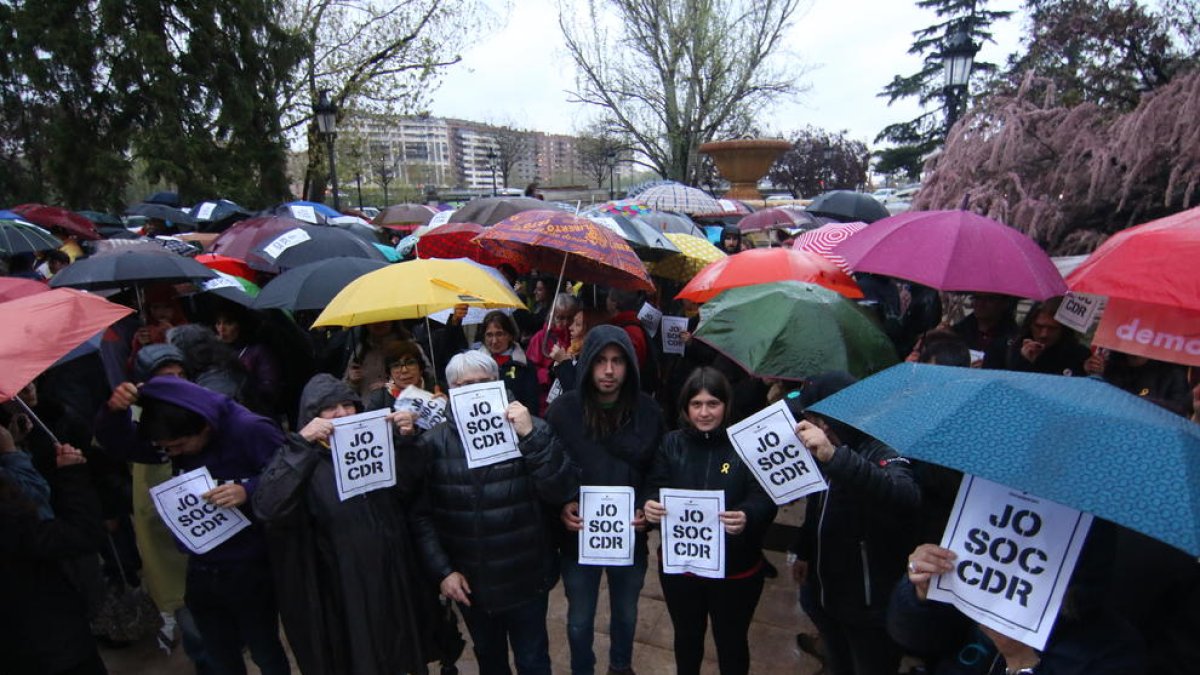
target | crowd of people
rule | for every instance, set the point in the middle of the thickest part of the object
(378, 583)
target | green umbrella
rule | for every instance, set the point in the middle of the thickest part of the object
(792, 330)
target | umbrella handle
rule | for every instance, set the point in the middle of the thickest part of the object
(432, 356)
(561, 271)
(33, 416)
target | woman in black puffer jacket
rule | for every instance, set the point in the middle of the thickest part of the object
(699, 456)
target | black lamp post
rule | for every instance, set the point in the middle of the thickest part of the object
(958, 57)
(827, 167)
(326, 113)
(491, 157)
(611, 156)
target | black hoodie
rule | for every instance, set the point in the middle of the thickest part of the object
(623, 457)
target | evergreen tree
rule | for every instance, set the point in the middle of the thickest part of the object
(915, 139)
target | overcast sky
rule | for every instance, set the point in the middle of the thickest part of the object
(519, 74)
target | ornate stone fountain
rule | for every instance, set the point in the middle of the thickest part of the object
(744, 162)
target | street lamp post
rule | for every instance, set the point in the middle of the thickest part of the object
(385, 178)
(326, 113)
(958, 57)
(358, 186)
(491, 157)
(611, 156)
(827, 167)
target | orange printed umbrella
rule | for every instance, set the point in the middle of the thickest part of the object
(765, 265)
(575, 246)
(1150, 277)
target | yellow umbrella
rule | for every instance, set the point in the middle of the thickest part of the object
(694, 255)
(417, 288)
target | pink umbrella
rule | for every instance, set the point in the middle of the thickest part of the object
(954, 251)
(823, 239)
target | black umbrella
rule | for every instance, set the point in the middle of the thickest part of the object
(310, 243)
(313, 285)
(162, 212)
(848, 206)
(217, 215)
(129, 268)
(18, 236)
(102, 219)
(491, 210)
(166, 198)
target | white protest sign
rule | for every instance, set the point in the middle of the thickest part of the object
(304, 212)
(206, 210)
(977, 356)
(430, 410)
(221, 281)
(1078, 311)
(200, 525)
(692, 535)
(1015, 554)
(673, 328)
(363, 456)
(650, 316)
(727, 205)
(607, 534)
(556, 390)
(440, 218)
(479, 413)
(766, 441)
(285, 241)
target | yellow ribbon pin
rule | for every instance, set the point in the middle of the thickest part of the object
(725, 467)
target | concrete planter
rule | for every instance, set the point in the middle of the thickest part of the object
(744, 162)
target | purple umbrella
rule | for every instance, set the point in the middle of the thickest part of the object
(954, 251)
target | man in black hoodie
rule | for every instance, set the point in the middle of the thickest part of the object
(614, 446)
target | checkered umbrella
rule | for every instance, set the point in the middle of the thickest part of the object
(679, 198)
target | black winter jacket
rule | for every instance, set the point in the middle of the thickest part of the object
(490, 523)
(857, 535)
(696, 460)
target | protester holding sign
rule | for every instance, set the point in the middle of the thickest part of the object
(405, 366)
(610, 429)
(1088, 639)
(699, 456)
(1047, 346)
(351, 595)
(229, 589)
(852, 546)
(482, 532)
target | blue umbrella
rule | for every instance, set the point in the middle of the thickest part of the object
(321, 211)
(1077, 441)
(388, 252)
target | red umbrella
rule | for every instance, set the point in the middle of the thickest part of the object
(228, 265)
(244, 237)
(575, 246)
(53, 216)
(766, 265)
(456, 240)
(823, 240)
(40, 329)
(12, 288)
(1149, 275)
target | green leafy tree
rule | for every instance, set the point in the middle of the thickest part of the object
(913, 140)
(669, 75)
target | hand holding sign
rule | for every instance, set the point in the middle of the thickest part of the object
(482, 415)
(768, 444)
(364, 457)
(816, 440)
(607, 533)
(674, 334)
(199, 523)
(927, 561)
(227, 496)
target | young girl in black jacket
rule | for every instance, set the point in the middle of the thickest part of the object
(699, 456)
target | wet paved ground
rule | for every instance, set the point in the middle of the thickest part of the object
(772, 634)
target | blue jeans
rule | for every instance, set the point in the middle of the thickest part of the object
(582, 585)
(523, 627)
(233, 605)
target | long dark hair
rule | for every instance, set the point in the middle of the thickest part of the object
(599, 420)
(705, 378)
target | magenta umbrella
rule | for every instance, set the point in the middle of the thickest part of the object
(954, 251)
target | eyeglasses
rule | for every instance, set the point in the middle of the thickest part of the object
(406, 363)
